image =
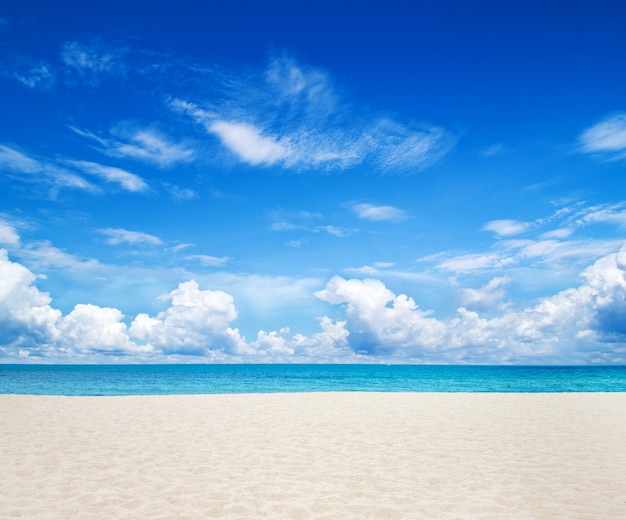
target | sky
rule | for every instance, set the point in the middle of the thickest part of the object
(322, 182)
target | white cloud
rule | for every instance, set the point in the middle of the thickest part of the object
(474, 262)
(143, 144)
(396, 147)
(376, 270)
(378, 213)
(247, 142)
(44, 255)
(284, 226)
(290, 116)
(26, 318)
(55, 174)
(91, 329)
(196, 322)
(8, 235)
(276, 343)
(506, 228)
(34, 75)
(17, 161)
(494, 149)
(557, 233)
(378, 321)
(301, 86)
(336, 231)
(94, 61)
(180, 194)
(607, 137)
(487, 297)
(123, 236)
(210, 261)
(303, 221)
(602, 214)
(577, 325)
(51, 174)
(128, 181)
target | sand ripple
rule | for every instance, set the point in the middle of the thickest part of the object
(314, 456)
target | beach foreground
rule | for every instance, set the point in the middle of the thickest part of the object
(314, 455)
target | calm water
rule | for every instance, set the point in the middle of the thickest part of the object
(228, 379)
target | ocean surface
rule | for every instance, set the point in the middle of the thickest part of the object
(231, 379)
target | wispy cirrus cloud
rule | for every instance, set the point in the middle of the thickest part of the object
(290, 115)
(493, 150)
(378, 213)
(124, 236)
(210, 261)
(93, 61)
(601, 214)
(308, 222)
(128, 181)
(606, 139)
(140, 143)
(34, 74)
(178, 193)
(43, 254)
(563, 242)
(41, 172)
(506, 228)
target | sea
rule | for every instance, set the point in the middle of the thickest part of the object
(109, 380)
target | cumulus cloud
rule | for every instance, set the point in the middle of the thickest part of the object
(380, 322)
(123, 236)
(606, 138)
(91, 329)
(486, 298)
(196, 322)
(26, 318)
(378, 213)
(582, 324)
(330, 344)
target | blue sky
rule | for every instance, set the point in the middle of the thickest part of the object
(433, 182)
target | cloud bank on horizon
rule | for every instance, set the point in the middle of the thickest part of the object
(175, 196)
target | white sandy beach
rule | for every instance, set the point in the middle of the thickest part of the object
(301, 456)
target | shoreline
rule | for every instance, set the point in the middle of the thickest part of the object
(315, 455)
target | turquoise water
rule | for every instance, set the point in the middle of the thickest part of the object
(229, 379)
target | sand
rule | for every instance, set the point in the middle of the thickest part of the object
(301, 456)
